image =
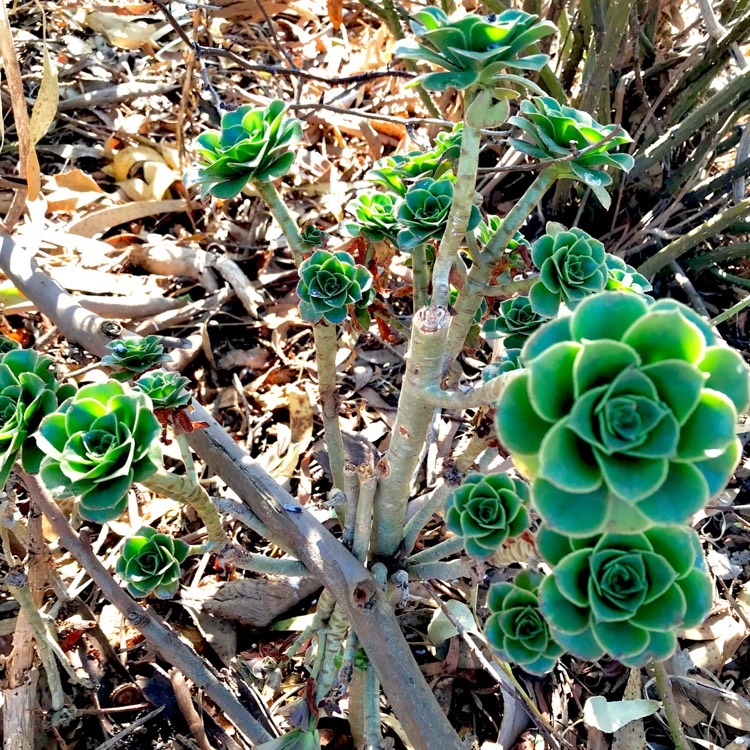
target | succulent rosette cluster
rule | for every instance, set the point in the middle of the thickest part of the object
(329, 284)
(167, 390)
(423, 213)
(473, 50)
(253, 144)
(486, 510)
(396, 173)
(624, 415)
(150, 563)
(572, 266)
(29, 390)
(624, 595)
(97, 444)
(516, 629)
(375, 216)
(132, 356)
(516, 321)
(552, 129)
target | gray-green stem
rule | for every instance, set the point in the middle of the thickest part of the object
(424, 362)
(433, 504)
(458, 219)
(183, 490)
(325, 352)
(470, 296)
(420, 275)
(288, 225)
(664, 688)
(444, 549)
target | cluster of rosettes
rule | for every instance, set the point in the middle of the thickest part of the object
(97, 444)
(572, 266)
(332, 283)
(415, 210)
(29, 390)
(253, 144)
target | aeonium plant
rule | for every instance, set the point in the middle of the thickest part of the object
(130, 357)
(29, 390)
(624, 415)
(97, 444)
(624, 595)
(253, 144)
(474, 50)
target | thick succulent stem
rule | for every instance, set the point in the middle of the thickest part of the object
(470, 296)
(372, 709)
(438, 552)
(363, 523)
(325, 352)
(420, 276)
(664, 688)
(424, 362)
(183, 490)
(458, 219)
(288, 225)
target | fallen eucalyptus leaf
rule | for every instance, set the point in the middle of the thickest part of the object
(609, 716)
(441, 628)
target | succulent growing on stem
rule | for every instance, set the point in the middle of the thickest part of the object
(624, 278)
(150, 563)
(571, 267)
(516, 321)
(313, 236)
(375, 216)
(97, 444)
(554, 129)
(424, 212)
(396, 173)
(625, 595)
(331, 282)
(624, 415)
(167, 390)
(29, 390)
(473, 50)
(516, 629)
(485, 510)
(253, 144)
(8, 345)
(508, 362)
(131, 356)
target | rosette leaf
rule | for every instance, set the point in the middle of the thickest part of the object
(167, 390)
(29, 391)
(486, 510)
(312, 236)
(331, 282)
(624, 415)
(132, 356)
(253, 144)
(474, 50)
(516, 629)
(552, 129)
(8, 345)
(375, 217)
(424, 213)
(150, 563)
(509, 362)
(572, 266)
(516, 322)
(396, 173)
(624, 278)
(97, 444)
(624, 595)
